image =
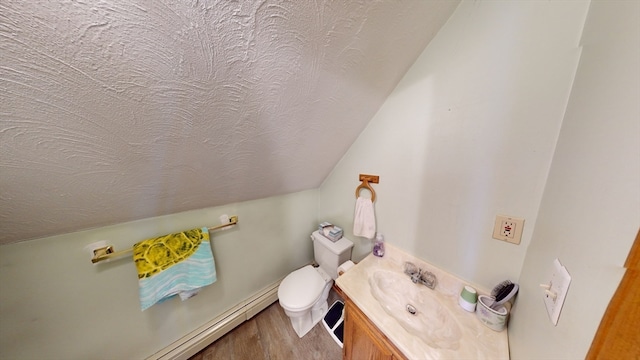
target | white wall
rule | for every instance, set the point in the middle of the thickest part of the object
(54, 304)
(468, 133)
(590, 211)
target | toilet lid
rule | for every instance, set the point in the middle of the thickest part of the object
(301, 288)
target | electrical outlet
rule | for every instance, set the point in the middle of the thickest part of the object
(509, 229)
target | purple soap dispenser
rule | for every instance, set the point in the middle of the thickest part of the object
(378, 247)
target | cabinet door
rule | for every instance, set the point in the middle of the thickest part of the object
(361, 340)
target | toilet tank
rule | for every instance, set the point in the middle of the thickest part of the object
(329, 255)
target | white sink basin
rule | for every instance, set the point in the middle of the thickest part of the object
(417, 309)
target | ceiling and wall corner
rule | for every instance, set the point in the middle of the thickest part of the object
(116, 111)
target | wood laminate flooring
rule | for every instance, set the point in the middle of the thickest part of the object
(269, 336)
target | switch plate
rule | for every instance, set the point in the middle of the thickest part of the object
(556, 291)
(507, 228)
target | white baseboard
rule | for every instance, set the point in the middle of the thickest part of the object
(192, 343)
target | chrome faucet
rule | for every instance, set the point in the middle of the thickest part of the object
(428, 279)
(415, 277)
(418, 275)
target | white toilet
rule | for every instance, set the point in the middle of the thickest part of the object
(303, 293)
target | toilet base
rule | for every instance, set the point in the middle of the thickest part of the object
(304, 320)
(303, 324)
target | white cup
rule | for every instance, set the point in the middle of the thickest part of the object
(468, 298)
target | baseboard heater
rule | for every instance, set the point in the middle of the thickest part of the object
(192, 343)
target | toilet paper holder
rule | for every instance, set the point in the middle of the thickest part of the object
(344, 267)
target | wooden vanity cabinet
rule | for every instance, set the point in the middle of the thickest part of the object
(363, 340)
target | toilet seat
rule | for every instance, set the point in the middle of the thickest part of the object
(301, 289)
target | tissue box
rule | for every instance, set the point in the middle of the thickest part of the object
(335, 234)
(330, 231)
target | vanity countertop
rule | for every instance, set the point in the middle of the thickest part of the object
(476, 341)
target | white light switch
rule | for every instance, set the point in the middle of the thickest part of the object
(555, 291)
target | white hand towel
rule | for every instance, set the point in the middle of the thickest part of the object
(364, 222)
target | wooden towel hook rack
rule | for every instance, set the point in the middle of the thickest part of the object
(366, 179)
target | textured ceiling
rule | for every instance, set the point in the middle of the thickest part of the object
(120, 110)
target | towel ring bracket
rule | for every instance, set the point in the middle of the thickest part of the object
(366, 179)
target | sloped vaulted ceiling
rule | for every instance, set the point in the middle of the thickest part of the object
(118, 110)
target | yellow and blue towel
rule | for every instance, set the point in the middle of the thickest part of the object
(174, 264)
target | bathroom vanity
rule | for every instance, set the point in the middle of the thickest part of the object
(363, 340)
(387, 316)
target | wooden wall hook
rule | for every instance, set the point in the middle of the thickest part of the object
(366, 179)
